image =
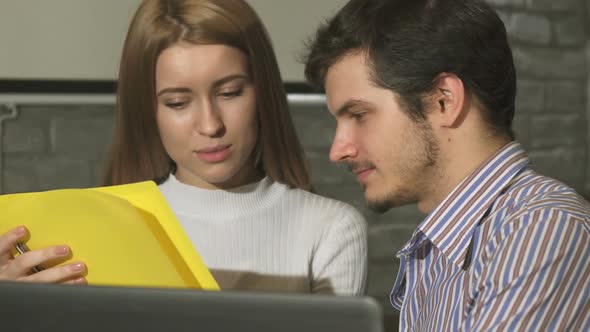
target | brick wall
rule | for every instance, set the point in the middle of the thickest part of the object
(548, 41)
(587, 25)
(49, 147)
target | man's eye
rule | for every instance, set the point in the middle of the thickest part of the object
(357, 116)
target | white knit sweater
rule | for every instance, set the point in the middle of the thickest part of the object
(267, 237)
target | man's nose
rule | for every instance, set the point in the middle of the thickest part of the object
(343, 148)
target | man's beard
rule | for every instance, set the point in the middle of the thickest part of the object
(379, 206)
(392, 200)
(425, 162)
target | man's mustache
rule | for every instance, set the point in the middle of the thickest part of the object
(356, 166)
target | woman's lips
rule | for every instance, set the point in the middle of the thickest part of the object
(214, 154)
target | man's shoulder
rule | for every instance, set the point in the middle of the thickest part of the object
(535, 203)
(532, 192)
(534, 214)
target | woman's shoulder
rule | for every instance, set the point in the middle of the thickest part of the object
(321, 205)
(327, 218)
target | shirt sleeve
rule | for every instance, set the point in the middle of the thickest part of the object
(339, 264)
(537, 277)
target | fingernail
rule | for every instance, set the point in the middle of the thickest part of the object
(62, 250)
(78, 267)
(21, 230)
(81, 281)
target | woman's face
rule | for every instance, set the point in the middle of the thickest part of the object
(206, 114)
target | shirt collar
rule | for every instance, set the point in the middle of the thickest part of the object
(450, 226)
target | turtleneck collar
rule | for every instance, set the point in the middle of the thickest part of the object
(220, 204)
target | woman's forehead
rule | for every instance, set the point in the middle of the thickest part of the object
(205, 62)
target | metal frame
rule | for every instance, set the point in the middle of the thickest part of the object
(297, 99)
(10, 115)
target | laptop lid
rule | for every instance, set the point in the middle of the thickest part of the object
(42, 307)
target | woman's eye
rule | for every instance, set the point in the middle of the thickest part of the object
(175, 104)
(231, 93)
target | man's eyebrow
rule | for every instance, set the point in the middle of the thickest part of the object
(351, 104)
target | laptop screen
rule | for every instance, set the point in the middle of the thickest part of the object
(40, 307)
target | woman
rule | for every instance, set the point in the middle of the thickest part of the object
(202, 109)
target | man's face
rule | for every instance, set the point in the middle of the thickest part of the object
(394, 157)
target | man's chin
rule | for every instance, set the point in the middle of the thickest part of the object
(384, 204)
(379, 207)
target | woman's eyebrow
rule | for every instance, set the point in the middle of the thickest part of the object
(229, 78)
(174, 90)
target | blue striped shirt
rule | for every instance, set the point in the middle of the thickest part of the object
(507, 250)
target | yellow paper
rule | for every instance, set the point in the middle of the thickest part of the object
(127, 235)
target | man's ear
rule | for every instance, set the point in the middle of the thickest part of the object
(449, 100)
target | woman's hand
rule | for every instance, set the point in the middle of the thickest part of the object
(20, 268)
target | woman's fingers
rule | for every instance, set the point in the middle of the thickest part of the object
(22, 265)
(71, 273)
(77, 281)
(7, 242)
(20, 268)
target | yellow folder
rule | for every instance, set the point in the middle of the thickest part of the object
(127, 235)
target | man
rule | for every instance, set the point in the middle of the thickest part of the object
(423, 94)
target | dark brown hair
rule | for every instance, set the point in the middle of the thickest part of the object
(408, 43)
(137, 152)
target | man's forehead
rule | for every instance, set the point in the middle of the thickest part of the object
(346, 80)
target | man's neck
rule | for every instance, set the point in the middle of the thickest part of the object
(457, 161)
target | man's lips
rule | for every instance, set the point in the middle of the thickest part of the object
(362, 174)
(214, 154)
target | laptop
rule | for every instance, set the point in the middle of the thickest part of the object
(43, 307)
